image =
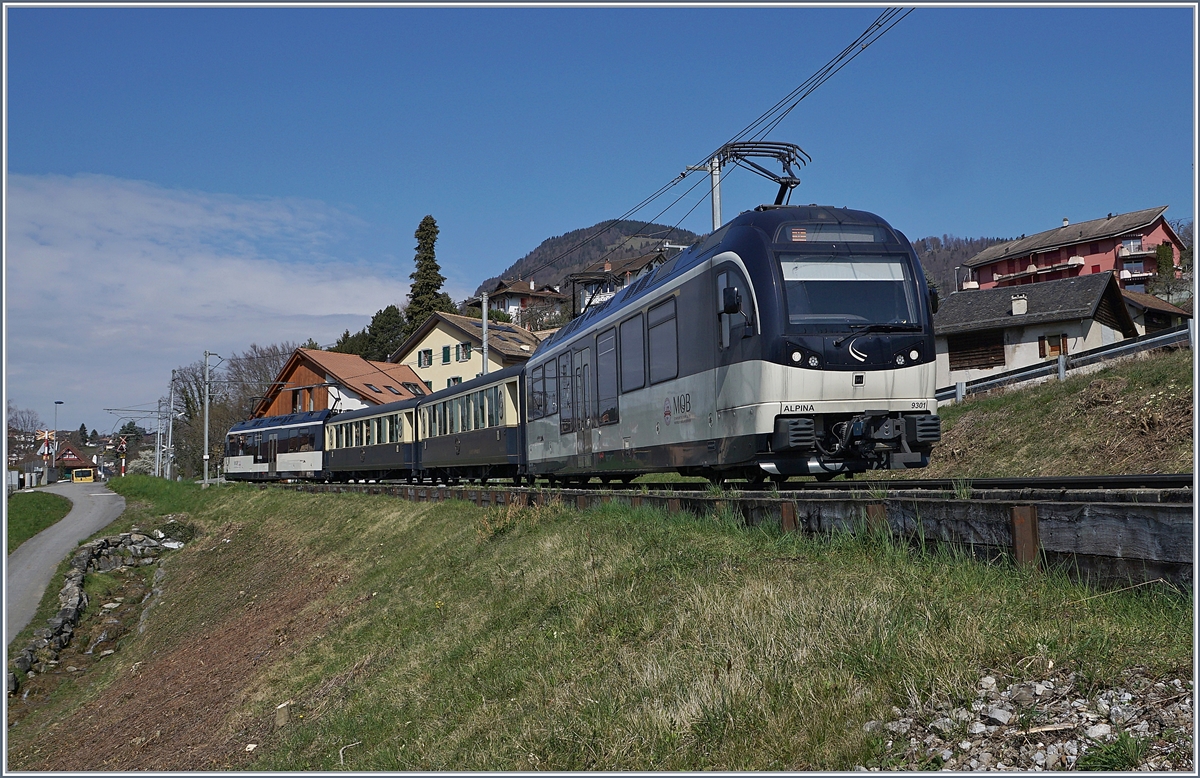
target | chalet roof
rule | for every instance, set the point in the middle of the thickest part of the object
(350, 371)
(1066, 299)
(1149, 301)
(520, 288)
(69, 456)
(1073, 234)
(620, 267)
(506, 339)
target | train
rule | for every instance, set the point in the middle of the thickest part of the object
(792, 341)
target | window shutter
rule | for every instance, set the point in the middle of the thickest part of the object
(1042, 346)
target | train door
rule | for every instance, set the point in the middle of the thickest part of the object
(585, 416)
(735, 337)
(272, 452)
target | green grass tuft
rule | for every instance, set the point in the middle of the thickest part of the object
(31, 512)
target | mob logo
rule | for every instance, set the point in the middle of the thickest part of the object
(678, 407)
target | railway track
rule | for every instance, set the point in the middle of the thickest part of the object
(1109, 529)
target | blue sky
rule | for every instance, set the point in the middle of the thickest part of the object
(205, 178)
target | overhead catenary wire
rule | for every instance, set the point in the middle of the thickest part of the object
(761, 127)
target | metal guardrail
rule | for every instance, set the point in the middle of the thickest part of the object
(1169, 337)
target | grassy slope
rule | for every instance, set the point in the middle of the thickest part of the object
(452, 637)
(1134, 417)
(31, 512)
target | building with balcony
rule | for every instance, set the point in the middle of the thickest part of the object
(1125, 244)
(597, 283)
(518, 298)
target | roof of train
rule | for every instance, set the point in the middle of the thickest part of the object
(286, 420)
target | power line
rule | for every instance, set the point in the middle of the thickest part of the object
(882, 24)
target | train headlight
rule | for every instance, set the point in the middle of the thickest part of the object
(900, 359)
(914, 355)
(797, 356)
(813, 361)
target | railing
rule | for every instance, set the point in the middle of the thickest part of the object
(1067, 362)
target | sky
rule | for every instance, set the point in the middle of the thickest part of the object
(187, 179)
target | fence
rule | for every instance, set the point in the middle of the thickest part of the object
(1066, 363)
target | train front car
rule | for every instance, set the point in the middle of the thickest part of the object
(274, 448)
(825, 352)
(792, 341)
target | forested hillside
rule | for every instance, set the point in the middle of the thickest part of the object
(575, 250)
(939, 256)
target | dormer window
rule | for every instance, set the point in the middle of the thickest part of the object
(392, 389)
(374, 388)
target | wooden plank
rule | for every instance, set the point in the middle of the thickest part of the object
(1025, 534)
(787, 516)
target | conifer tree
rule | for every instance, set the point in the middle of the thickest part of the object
(384, 334)
(426, 296)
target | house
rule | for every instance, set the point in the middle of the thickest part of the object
(599, 282)
(315, 380)
(518, 298)
(1150, 314)
(448, 349)
(988, 331)
(69, 459)
(1124, 244)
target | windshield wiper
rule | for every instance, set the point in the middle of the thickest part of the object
(878, 328)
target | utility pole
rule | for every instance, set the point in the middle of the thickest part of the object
(158, 430)
(485, 329)
(714, 174)
(207, 354)
(171, 430)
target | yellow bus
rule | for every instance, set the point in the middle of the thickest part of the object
(82, 475)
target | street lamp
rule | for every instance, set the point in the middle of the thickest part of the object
(54, 449)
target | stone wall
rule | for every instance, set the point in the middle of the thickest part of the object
(129, 549)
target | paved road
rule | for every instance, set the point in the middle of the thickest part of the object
(32, 565)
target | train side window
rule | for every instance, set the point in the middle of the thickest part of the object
(606, 376)
(550, 398)
(537, 393)
(566, 411)
(633, 355)
(664, 345)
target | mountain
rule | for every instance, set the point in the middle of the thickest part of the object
(556, 258)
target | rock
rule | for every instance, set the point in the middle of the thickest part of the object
(12, 684)
(873, 727)
(976, 728)
(172, 544)
(1119, 714)
(987, 682)
(1098, 731)
(942, 725)
(897, 727)
(999, 715)
(22, 663)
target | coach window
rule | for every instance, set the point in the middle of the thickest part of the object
(537, 393)
(633, 355)
(606, 376)
(664, 347)
(566, 413)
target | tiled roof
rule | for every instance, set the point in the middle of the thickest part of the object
(1153, 303)
(1048, 301)
(352, 372)
(1084, 232)
(507, 339)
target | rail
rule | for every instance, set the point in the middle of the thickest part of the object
(1069, 362)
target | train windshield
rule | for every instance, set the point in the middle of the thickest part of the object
(855, 290)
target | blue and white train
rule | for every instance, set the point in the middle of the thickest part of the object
(795, 340)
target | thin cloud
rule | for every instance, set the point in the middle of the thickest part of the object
(110, 283)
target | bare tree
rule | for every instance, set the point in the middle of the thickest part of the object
(235, 386)
(23, 424)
